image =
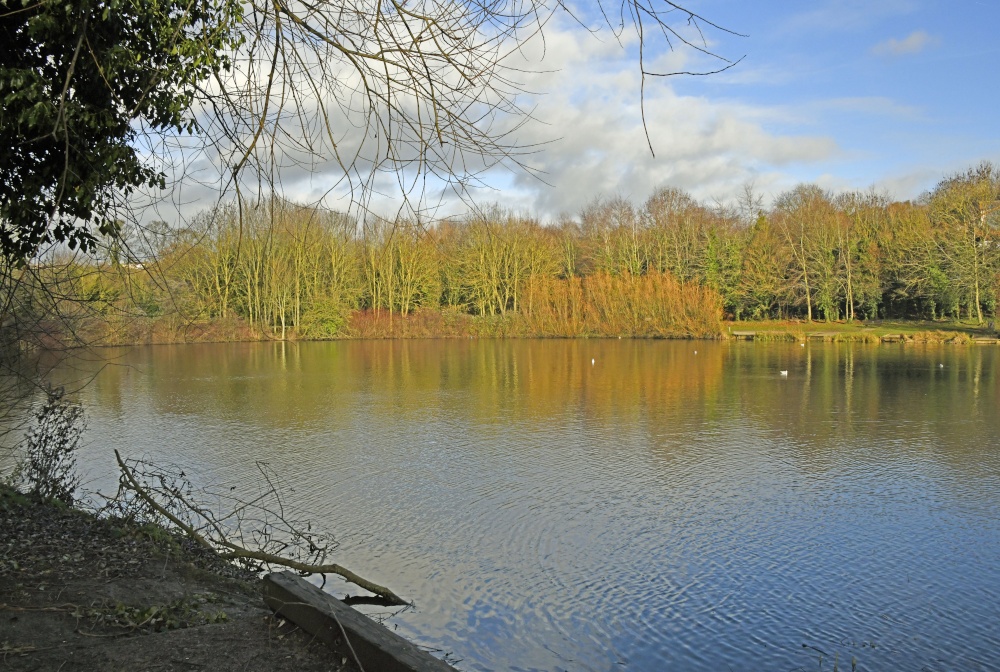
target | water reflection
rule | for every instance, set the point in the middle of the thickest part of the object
(597, 504)
(529, 379)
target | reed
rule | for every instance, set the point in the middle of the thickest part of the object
(653, 305)
(421, 323)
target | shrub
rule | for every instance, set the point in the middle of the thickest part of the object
(48, 466)
(325, 318)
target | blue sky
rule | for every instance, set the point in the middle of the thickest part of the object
(849, 94)
(900, 85)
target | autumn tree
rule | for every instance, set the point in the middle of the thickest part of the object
(802, 216)
(965, 209)
(861, 229)
(764, 280)
(678, 232)
(614, 236)
(499, 257)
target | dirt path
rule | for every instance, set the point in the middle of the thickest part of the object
(77, 593)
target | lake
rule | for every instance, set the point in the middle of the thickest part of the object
(613, 504)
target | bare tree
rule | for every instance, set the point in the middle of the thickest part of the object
(420, 98)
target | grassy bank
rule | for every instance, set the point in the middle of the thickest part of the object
(872, 331)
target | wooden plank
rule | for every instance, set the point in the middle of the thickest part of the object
(322, 615)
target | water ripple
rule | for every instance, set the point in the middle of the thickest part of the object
(661, 511)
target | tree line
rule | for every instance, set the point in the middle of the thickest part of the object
(672, 266)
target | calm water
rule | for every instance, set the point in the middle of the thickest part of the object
(606, 505)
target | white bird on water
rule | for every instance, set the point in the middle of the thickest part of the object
(592, 362)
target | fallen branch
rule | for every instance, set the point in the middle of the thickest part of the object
(65, 608)
(228, 550)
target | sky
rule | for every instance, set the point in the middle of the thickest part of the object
(847, 94)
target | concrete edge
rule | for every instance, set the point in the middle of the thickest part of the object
(322, 615)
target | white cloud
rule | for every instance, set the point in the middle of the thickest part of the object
(597, 145)
(591, 141)
(913, 43)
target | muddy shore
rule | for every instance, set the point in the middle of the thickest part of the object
(82, 593)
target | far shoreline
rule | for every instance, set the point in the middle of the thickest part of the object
(457, 326)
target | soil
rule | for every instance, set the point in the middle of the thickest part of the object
(82, 593)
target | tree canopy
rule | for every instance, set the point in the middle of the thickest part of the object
(280, 270)
(81, 83)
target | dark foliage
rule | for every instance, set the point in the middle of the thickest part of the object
(82, 85)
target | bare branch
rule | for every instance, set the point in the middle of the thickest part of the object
(170, 502)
